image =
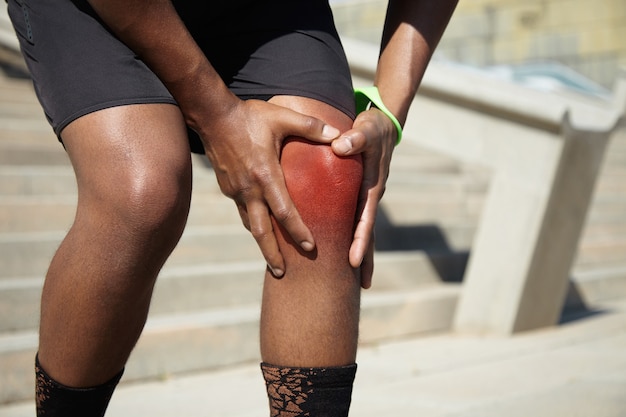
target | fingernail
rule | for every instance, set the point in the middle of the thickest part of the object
(343, 145)
(329, 132)
(307, 246)
(277, 272)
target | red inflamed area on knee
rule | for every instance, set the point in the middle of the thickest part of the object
(324, 188)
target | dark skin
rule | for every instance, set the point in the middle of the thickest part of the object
(153, 29)
(100, 282)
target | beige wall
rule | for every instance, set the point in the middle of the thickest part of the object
(587, 35)
(360, 19)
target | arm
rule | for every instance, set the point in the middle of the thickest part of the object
(242, 138)
(153, 30)
(412, 31)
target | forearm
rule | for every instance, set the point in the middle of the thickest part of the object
(155, 32)
(412, 31)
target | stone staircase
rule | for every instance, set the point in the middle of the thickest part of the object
(599, 271)
(206, 303)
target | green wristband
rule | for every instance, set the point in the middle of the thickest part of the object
(369, 95)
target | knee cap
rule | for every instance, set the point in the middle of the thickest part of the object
(324, 188)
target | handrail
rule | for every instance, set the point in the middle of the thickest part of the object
(544, 150)
(472, 89)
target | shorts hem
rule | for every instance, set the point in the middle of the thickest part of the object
(106, 105)
(299, 93)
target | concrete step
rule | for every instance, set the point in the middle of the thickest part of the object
(34, 132)
(28, 254)
(204, 284)
(17, 105)
(56, 212)
(415, 159)
(605, 214)
(615, 159)
(216, 338)
(26, 153)
(616, 146)
(48, 212)
(601, 251)
(16, 82)
(58, 179)
(20, 93)
(206, 301)
(610, 199)
(599, 284)
(415, 208)
(178, 290)
(432, 236)
(37, 213)
(23, 179)
(208, 339)
(613, 182)
(439, 187)
(32, 180)
(13, 68)
(603, 230)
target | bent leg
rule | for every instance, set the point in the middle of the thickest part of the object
(133, 170)
(310, 316)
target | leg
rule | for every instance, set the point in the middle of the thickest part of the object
(310, 316)
(133, 171)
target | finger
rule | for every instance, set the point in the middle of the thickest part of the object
(285, 212)
(261, 229)
(362, 235)
(243, 214)
(308, 127)
(360, 243)
(367, 266)
(364, 230)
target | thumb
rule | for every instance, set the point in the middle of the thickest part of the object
(351, 142)
(342, 146)
(308, 127)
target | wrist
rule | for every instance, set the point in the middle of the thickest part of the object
(369, 96)
(203, 99)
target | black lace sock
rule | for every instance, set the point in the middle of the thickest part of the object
(309, 392)
(56, 400)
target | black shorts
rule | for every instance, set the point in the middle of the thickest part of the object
(260, 48)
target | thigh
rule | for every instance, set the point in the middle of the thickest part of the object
(77, 66)
(127, 153)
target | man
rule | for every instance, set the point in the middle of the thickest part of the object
(263, 89)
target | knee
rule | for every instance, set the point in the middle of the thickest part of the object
(157, 201)
(324, 188)
(143, 202)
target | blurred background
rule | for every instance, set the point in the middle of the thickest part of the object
(585, 36)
